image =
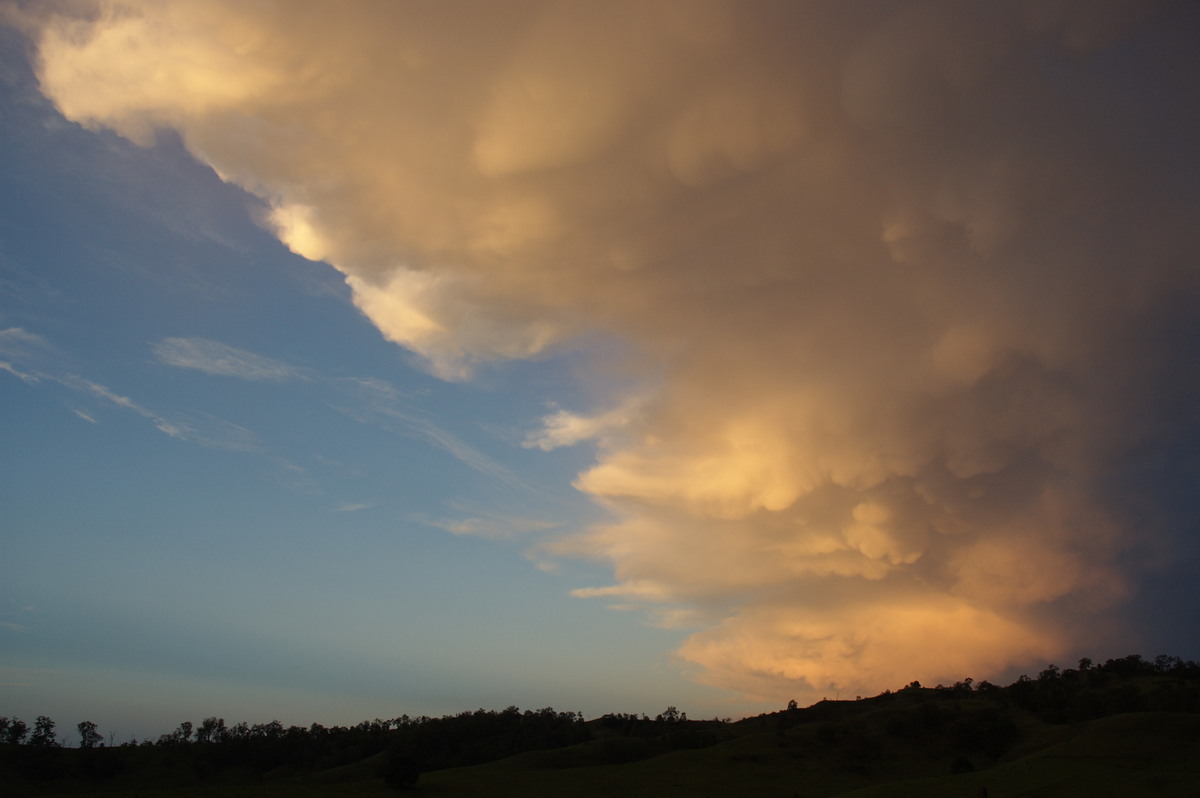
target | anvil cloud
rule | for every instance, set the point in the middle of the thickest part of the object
(896, 292)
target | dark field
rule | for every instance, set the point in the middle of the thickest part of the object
(1128, 727)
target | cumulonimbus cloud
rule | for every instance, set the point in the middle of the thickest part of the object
(913, 277)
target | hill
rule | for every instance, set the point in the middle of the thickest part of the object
(1127, 727)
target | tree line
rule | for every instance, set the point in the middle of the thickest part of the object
(1057, 695)
(198, 750)
(411, 745)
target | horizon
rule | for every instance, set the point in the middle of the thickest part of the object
(399, 359)
(63, 735)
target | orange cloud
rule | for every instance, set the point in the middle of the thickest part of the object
(872, 255)
(768, 649)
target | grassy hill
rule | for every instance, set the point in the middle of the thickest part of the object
(1123, 729)
(1138, 754)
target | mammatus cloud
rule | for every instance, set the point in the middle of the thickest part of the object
(915, 279)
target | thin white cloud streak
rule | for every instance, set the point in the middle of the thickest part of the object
(23, 376)
(373, 402)
(217, 359)
(19, 343)
(199, 428)
(493, 526)
(354, 507)
(908, 272)
(380, 403)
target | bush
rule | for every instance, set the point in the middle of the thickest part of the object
(399, 771)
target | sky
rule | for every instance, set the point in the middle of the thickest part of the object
(367, 359)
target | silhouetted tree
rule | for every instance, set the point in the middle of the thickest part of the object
(211, 730)
(1164, 663)
(1049, 675)
(1127, 667)
(88, 736)
(43, 732)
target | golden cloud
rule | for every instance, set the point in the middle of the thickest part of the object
(873, 254)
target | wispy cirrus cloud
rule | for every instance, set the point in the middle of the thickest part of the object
(221, 360)
(31, 349)
(354, 507)
(492, 526)
(23, 376)
(22, 346)
(19, 344)
(200, 428)
(378, 402)
(368, 400)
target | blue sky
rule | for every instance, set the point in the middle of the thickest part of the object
(698, 354)
(226, 494)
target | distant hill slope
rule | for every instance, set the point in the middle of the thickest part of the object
(1138, 754)
(1129, 727)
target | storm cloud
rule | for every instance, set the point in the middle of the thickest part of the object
(899, 296)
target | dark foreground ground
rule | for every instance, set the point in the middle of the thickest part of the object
(1126, 728)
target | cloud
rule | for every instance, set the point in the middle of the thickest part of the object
(24, 376)
(375, 401)
(492, 526)
(368, 400)
(220, 360)
(354, 507)
(915, 281)
(201, 428)
(20, 344)
(564, 428)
